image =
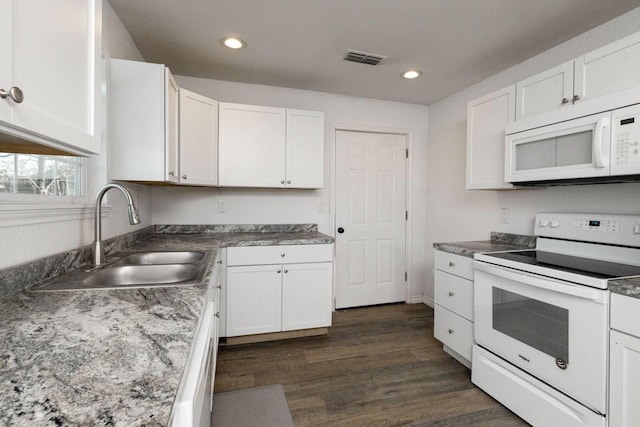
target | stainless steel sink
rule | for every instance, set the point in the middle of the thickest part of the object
(128, 275)
(136, 270)
(157, 258)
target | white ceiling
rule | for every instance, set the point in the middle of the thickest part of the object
(300, 43)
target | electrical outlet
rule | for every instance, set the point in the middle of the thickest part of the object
(504, 215)
(222, 206)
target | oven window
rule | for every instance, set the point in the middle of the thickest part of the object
(537, 324)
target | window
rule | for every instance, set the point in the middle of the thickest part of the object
(42, 175)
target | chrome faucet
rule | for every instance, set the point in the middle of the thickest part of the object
(134, 218)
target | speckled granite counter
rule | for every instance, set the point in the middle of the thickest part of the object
(498, 242)
(629, 287)
(107, 357)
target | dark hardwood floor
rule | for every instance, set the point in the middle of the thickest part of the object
(379, 366)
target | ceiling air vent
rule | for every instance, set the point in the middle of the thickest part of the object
(363, 57)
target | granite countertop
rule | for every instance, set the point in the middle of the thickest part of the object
(108, 357)
(629, 287)
(498, 242)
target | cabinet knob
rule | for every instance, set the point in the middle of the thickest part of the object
(15, 93)
(340, 230)
(219, 261)
(451, 293)
(565, 100)
(450, 331)
(282, 254)
(279, 271)
(184, 176)
(282, 181)
(286, 271)
(451, 263)
(219, 286)
(576, 98)
(288, 181)
(217, 314)
(172, 173)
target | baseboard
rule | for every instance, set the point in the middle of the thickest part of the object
(250, 339)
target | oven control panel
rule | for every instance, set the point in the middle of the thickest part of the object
(597, 228)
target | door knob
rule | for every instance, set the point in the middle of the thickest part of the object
(340, 230)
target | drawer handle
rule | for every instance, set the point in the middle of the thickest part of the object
(450, 331)
(451, 263)
(451, 293)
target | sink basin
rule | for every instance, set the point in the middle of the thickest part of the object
(136, 270)
(128, 275)
(158, 258)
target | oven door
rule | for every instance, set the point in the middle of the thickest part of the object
(553, 330)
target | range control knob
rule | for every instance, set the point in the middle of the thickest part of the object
(543, 223)
(555, 223)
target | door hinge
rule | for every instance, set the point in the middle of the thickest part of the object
(406, 276)
(406, 215)
(407, 151)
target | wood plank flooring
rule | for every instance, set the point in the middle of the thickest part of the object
(379, 366)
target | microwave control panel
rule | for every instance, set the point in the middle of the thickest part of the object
(626, 141)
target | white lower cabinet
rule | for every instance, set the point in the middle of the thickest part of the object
(453, 297)
(263, 296)
(624, 362)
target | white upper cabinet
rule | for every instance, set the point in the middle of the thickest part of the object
(611, 69)
(546, 91)
(486, 120)
(143, 122)
(270, 147)
(252, 145)
(51, 55)
(198, 139)
(305, 149)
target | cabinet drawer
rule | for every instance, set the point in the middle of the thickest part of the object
(453, 331)
(625, 314)
(455, 264)
(282, 254)
(454, 293)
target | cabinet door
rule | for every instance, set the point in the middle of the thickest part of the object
(305, 149)
(624, 388)
(55, 60)
(143, 122)
(252, 146)
(610, 69)
(486, 120)
(254, 300)
(306, 295)
(198, 139)
(5, 46)
(547, 91)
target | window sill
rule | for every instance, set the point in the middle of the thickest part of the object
(18, 214)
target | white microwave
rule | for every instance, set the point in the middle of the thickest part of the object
(600, 145)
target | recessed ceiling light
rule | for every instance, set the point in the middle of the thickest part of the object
(233, 42)
(412, 74)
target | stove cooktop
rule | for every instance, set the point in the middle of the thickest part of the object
(582, 266)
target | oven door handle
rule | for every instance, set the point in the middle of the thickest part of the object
(548, 283)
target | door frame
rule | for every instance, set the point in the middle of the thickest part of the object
(408, 134)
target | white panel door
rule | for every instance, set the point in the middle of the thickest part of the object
(254, 300)
(306, 295)
(546, 91)
(305, 149)
(252, 145)
(5, 46)
(198, 139)
(370, 218)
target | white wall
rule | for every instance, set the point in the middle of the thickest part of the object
(454, 214)
(248, 206)
(28, 242)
